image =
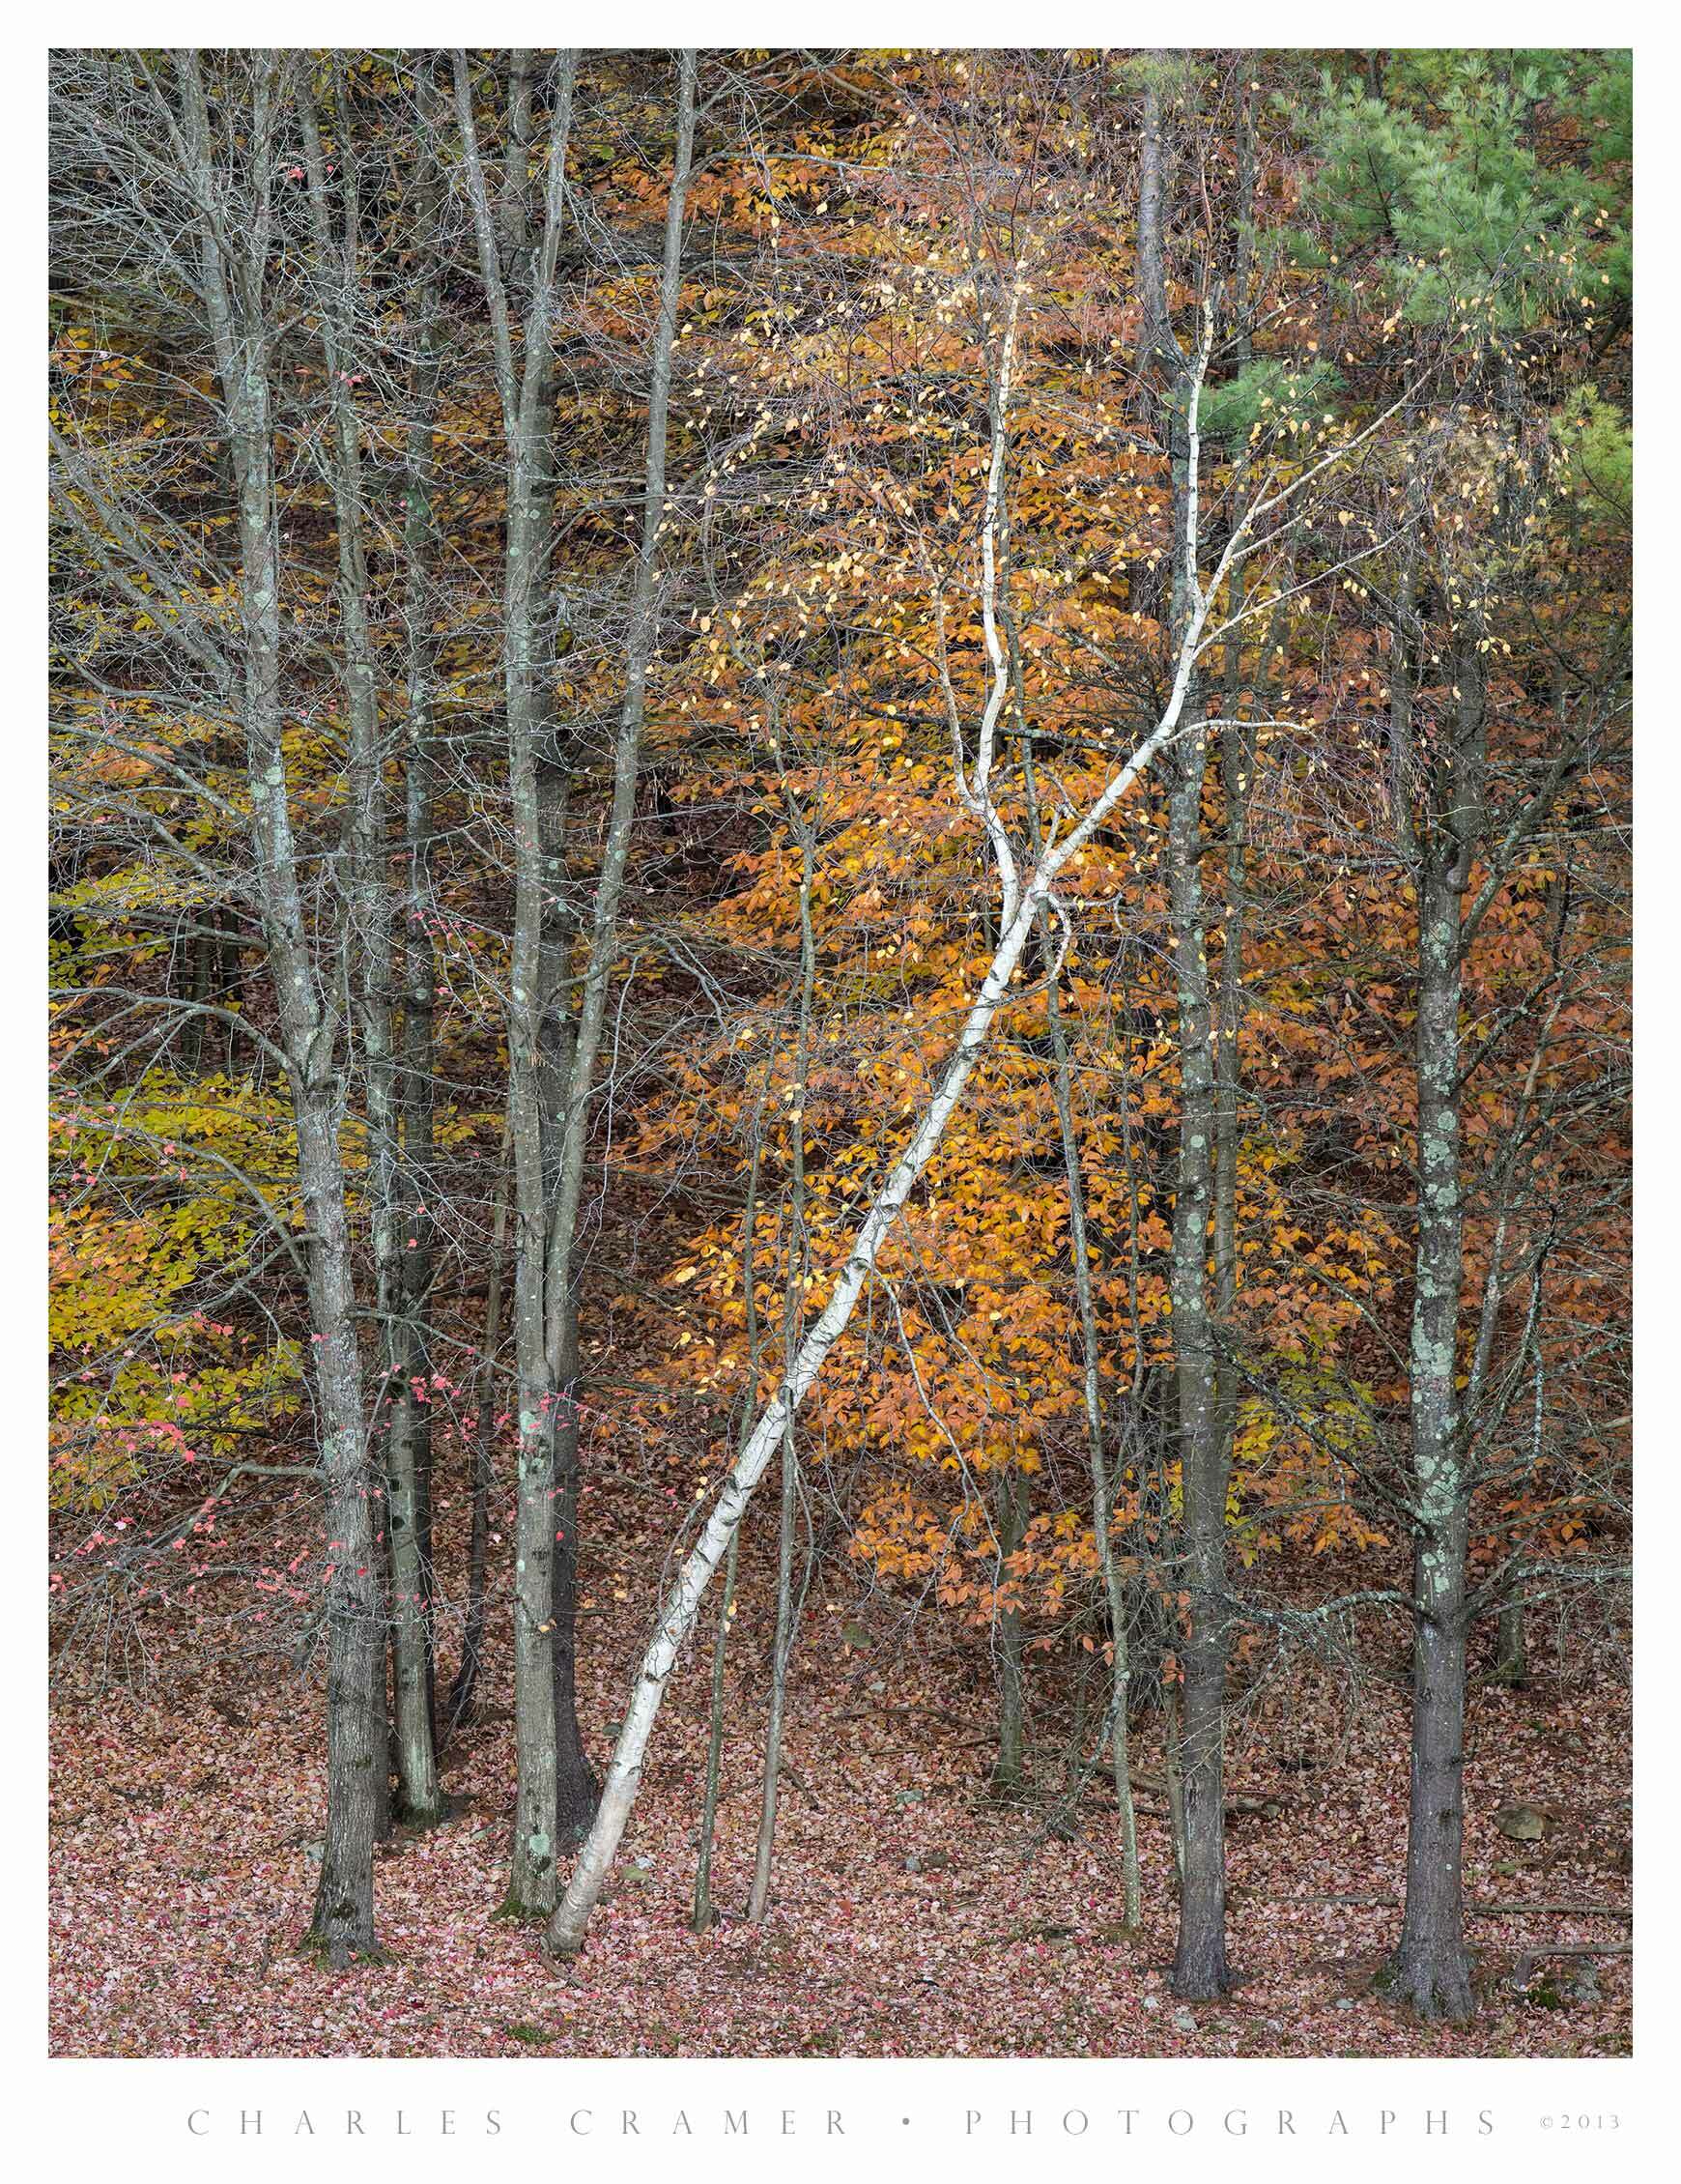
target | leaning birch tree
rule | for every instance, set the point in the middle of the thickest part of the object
(1023, 897)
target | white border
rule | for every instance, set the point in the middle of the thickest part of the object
(100, 2118)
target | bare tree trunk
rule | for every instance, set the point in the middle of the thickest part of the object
(1511, 1667)
(551, 1067)
(409, 1439)
(233, 259)
(1117, 1731)
(793, 1314)
(1009, 1766)
(420, 1799)
(782, 1652)
(561, 1276)
(576, 1784)
(1430, 1968)
(701, 1915)
(1201, 1972)
(1510, 1652)
(463, 1690)
(1237, 754)
(1200, 1968)
(525, 401)
(410, 1445)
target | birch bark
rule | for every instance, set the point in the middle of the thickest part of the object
(1021, 907)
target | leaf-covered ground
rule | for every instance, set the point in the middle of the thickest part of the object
(913, 1914)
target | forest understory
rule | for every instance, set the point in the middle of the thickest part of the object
(914, 1914)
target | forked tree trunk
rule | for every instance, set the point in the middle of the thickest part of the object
(525, 400)
(233, 260)
(551, 1093)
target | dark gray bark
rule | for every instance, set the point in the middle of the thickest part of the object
(410, 1445)
(551, 1060)
(702, 1913)
(1200, 1968)
(1117, 1732)
(1009, 1766)
(1238, 755)
(525, 398)
(576, 1787)
(793, 1315)
(463, 1691)
(1430, 1968)
(420, 1797)
(1510, 1650)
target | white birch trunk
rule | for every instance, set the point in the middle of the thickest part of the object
(566, 1929)
(1021, 907)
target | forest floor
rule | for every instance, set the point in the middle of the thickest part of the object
(913, 1913)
